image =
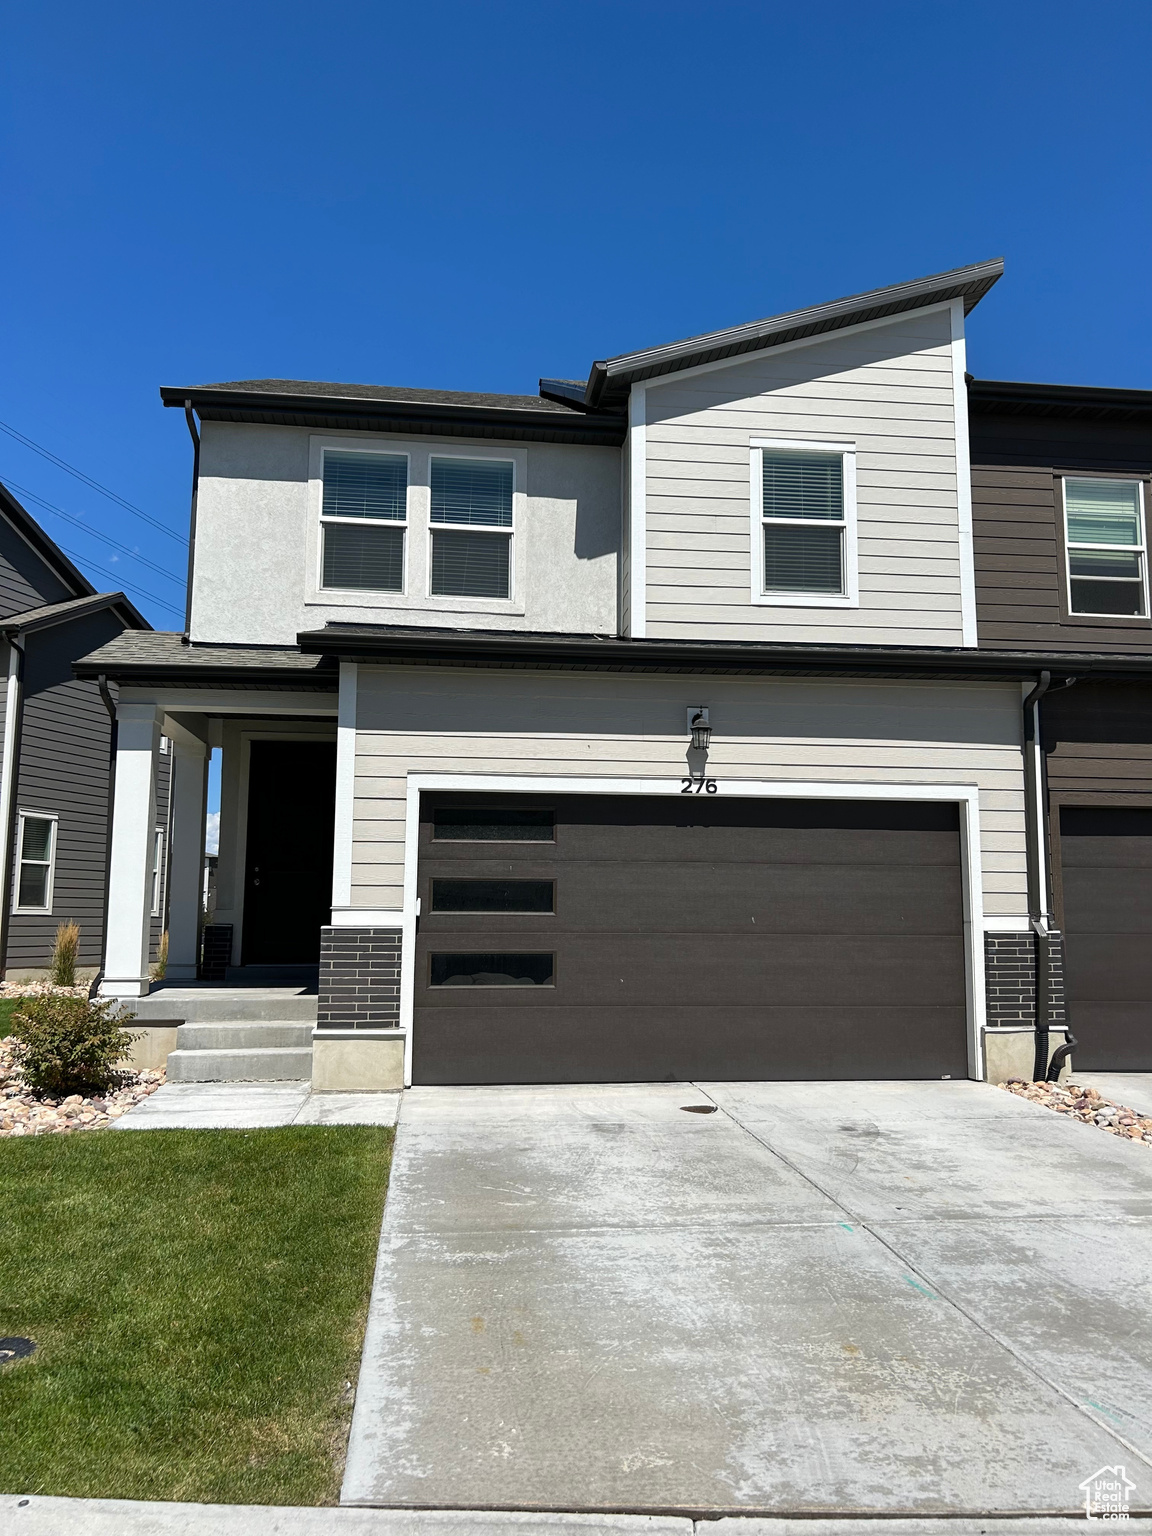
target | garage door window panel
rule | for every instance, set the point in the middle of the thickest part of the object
(498, 969)
(503, 896)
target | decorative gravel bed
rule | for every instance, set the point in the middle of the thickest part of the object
(23, 1113)
(1085, 1104)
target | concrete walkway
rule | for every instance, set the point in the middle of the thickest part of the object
(898, 1298)
(1132, 1089)
(247, 1106)
(38, 1516)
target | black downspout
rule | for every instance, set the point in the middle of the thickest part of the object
(113, 731)
(190, 418)
(9, 862)
(1036, 902)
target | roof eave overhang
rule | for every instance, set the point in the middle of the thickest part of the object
(1004, 397)
(81, 608)
(595, 429)
(600, 654)
(612, 379)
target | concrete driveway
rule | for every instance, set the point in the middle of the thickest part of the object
(849, 1297)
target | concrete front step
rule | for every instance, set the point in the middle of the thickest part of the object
(209, 1005)
(275, 1064)
(242, 1037)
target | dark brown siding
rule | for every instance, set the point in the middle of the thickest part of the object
(1016, 462)
(718, 939)
(1098, 740)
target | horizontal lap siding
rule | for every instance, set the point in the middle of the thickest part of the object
(1098, 739)
(1016, 511)
(888, 390)
(504, 723)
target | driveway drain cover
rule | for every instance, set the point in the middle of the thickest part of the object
(698, 1109)
(15, 1349)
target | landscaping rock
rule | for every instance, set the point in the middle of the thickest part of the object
(23, 1114)
(1087, 1105)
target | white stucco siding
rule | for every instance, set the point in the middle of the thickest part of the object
(888, 389)
(632, 727)
(257, 523)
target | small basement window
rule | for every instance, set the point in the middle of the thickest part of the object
(471, 504)
(364, 493)
(499, 970)
(484, 824)
(1106, 547)
(37, 862)
(493, 896)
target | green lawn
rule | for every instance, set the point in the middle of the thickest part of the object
(8, 1006)
(198, 1298)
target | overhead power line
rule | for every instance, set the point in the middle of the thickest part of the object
(95, 484)
(121, 584)
(104, 538)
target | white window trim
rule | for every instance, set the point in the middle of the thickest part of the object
(50, 891)
(965, 795)
(508, 532)
(416, 596)
(850, 597)
(364, 593)
(157, 872)
(1141, 549)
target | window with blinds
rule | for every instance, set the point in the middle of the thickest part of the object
(1107, 549)
(471, 503)
(363, 514)
(37, 862)
(804, 523)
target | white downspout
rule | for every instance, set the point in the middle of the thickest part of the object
(8, 772)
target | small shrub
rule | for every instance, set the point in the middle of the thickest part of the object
(157, 971)
(64, 955)
(69, 1044)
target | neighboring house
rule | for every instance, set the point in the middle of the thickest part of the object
(54, 762)
(1060, 501)
(641, 730)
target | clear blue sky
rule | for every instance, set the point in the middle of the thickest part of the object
(471, 195)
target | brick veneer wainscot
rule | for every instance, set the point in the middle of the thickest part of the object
(1010, 961)
(359, 978)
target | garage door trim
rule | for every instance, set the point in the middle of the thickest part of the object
(965, 796)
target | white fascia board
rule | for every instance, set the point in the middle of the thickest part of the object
(638, 514)
(963, 475)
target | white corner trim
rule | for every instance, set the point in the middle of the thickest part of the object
(850, 597)
(963, 475)
(345, 787)
(966, 796)
(365, 917)
(638, 514)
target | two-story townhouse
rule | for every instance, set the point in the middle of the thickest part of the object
(1061, 480)
(639, 730)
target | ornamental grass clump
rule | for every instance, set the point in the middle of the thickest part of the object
(66, 1045)
(65, 953)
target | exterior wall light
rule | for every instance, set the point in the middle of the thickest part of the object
(699, 727)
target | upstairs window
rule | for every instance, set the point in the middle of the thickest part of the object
(37, 862)
(805, 495)
(1107, 548)
(471, 528)
(362, 521)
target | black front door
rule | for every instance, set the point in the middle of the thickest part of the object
(288, 865)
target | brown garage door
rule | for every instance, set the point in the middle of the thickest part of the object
(1106, 863)
(593, 939)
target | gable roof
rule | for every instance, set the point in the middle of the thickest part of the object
(611, 380)
(65, 572)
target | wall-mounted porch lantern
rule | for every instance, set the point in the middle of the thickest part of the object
(699, 727)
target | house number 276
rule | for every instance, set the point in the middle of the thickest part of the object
(694, 785)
